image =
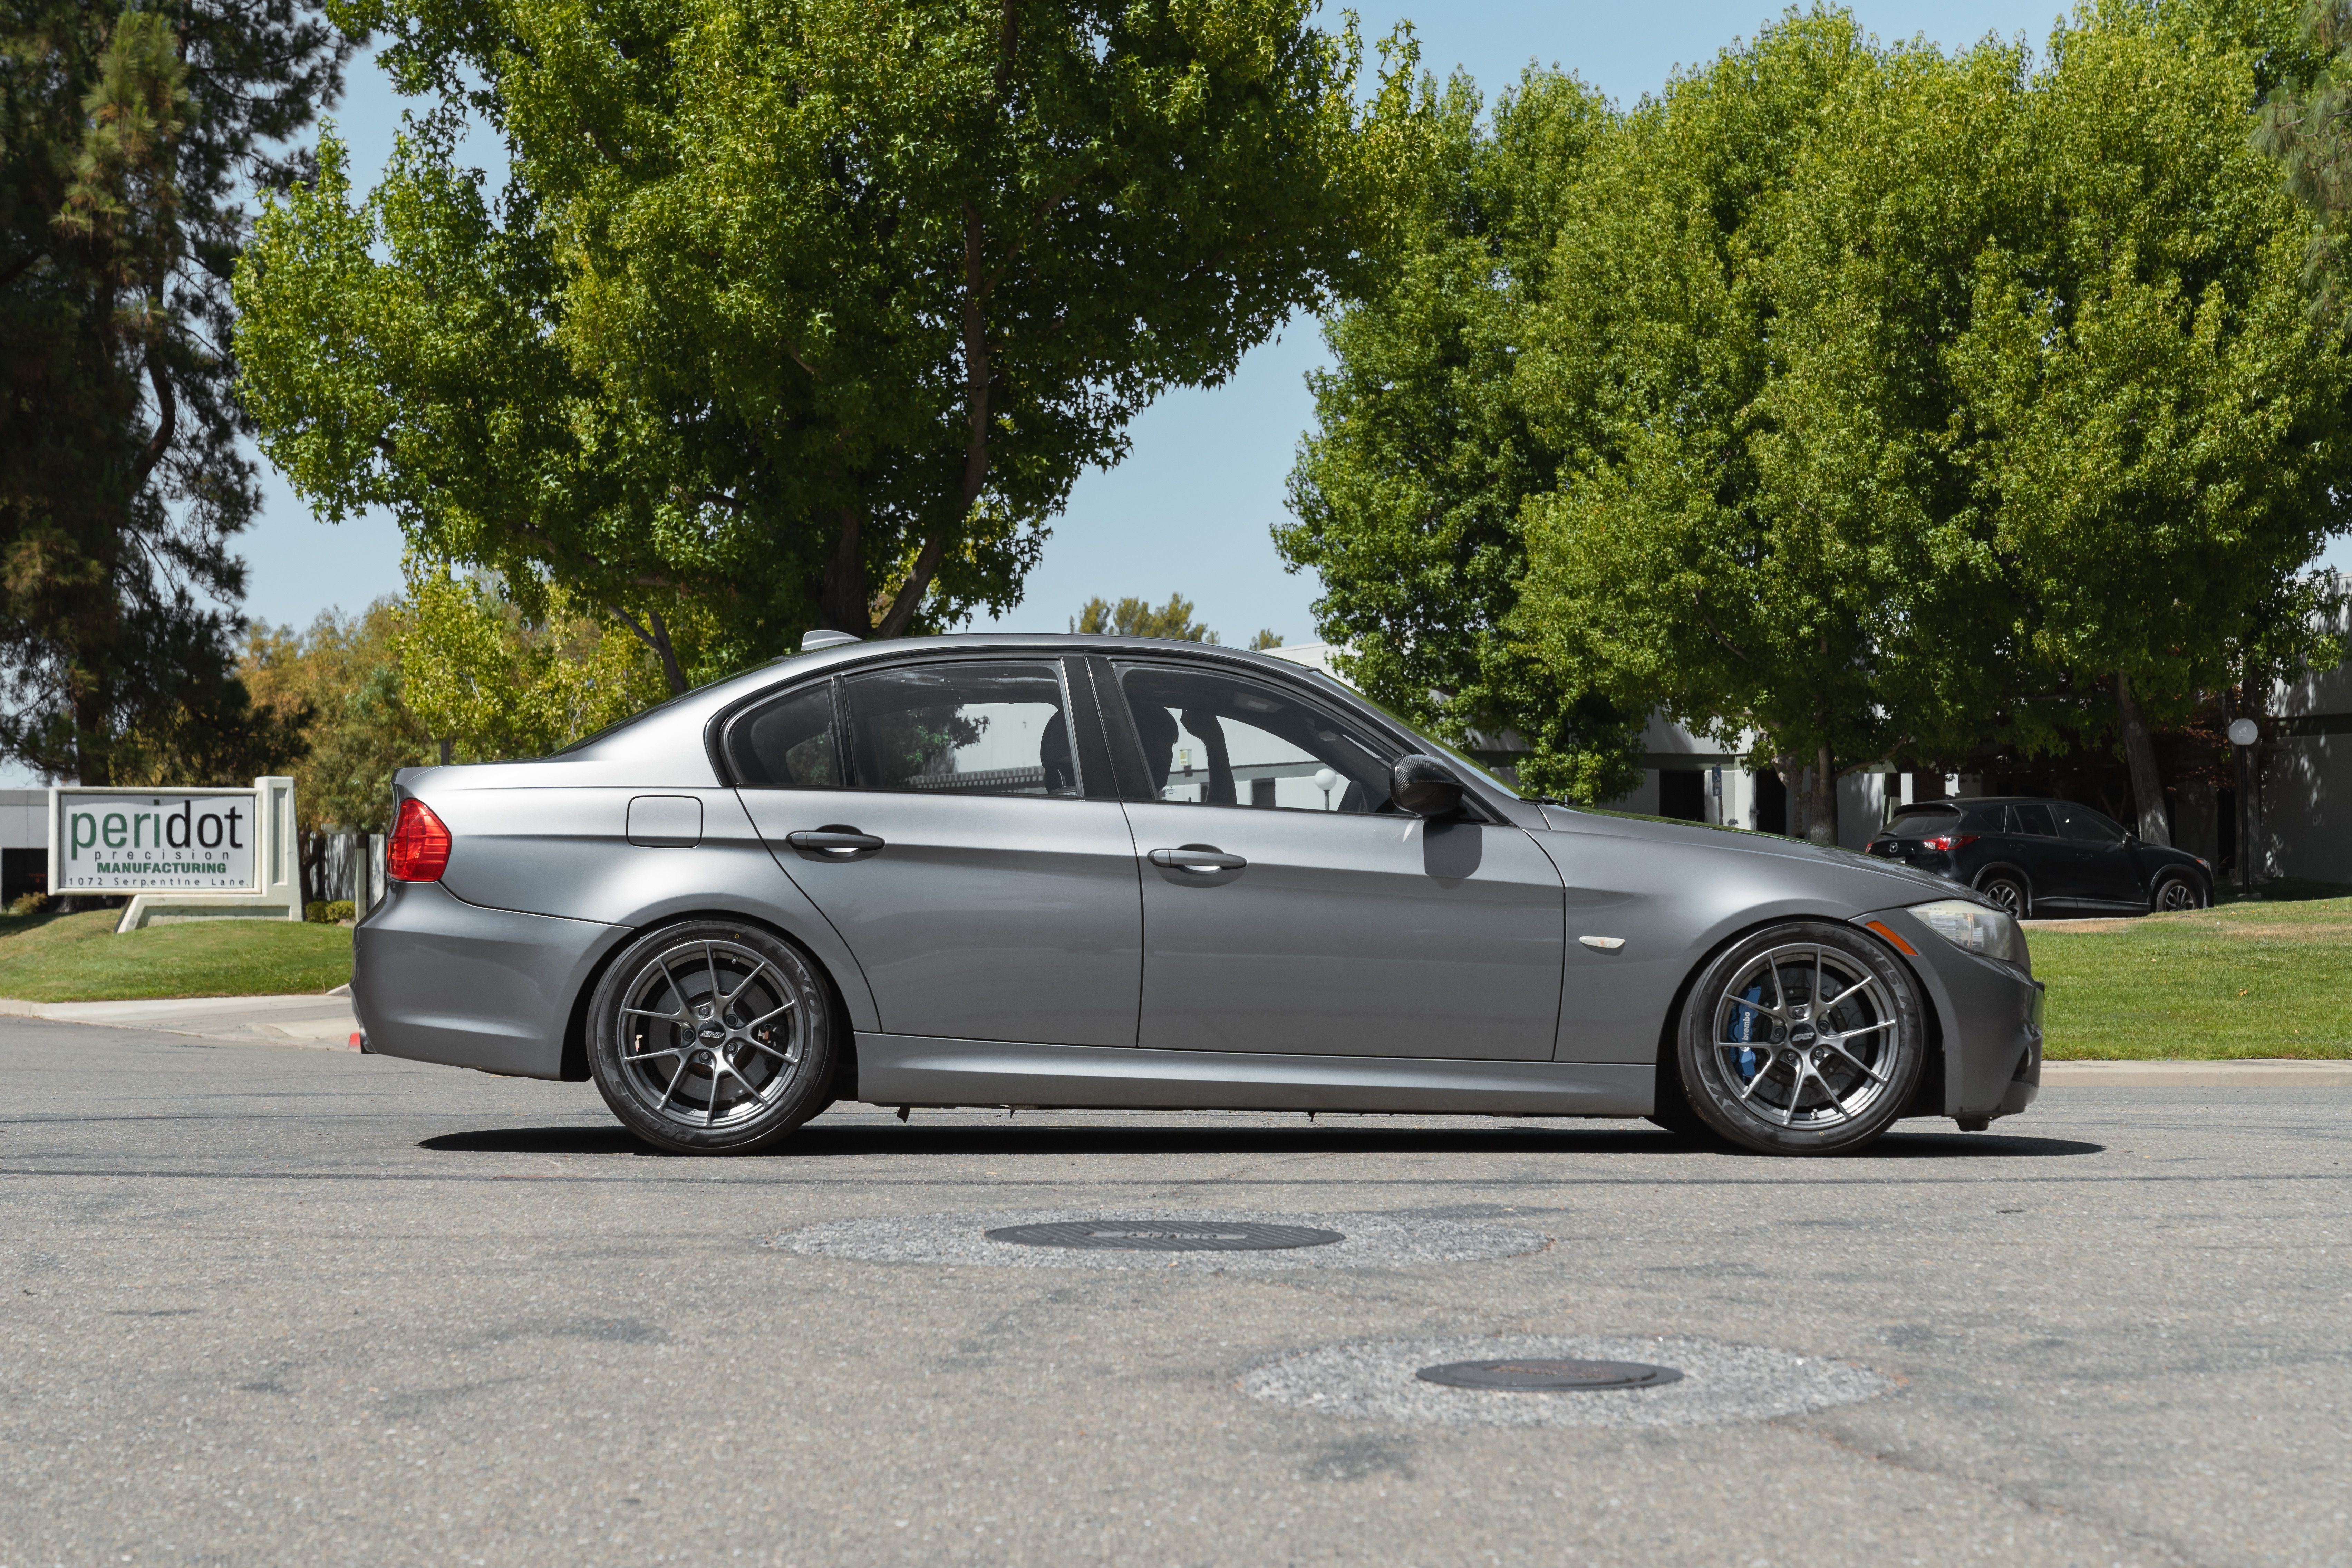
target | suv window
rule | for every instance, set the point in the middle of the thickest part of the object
(1924, 821)
(787, 741)
(2032, 817)
(962, 729)
(1213, 739)
(2081, 822)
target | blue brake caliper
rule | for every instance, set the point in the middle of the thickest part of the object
(1746, 1029)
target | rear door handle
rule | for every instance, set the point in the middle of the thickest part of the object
(835, 841)
(1197, 858)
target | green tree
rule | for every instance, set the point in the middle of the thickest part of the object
(796, 312)
(1407, 496)
(340, 680)
(1887, 404)
(1137, 618)
(128, 146)
(500, 674)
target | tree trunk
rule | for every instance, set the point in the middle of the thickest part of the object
(1821, 814)
(2139, 756)
(842, 602)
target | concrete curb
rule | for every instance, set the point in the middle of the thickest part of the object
(316, 1022)
(2259, 1072)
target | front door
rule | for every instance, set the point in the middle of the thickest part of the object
(950, 842)
(2100, 869)
(1288, 908)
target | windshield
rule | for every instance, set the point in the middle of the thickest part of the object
(1437, 748)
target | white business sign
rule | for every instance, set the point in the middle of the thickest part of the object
(155, 841)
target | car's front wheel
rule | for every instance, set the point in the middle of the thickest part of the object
(712, 1037)
(2176, 892)
(1805, 1038)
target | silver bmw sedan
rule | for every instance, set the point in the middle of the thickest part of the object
(1092, 872)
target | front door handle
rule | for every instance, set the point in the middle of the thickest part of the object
(835, 841)
(1197, 858)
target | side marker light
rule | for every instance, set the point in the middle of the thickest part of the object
(1900, 946)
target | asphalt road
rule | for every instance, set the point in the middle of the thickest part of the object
(271, 1305)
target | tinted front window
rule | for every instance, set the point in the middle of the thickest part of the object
(962, 728)
(2081, 822)
(1212, 739)
(2032, 817)
(788, 743)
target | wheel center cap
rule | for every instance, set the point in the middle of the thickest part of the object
(711, 1032)
(1801, 1036)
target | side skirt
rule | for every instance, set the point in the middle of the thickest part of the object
(912, 1069)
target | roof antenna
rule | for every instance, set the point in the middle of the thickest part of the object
(821, 638)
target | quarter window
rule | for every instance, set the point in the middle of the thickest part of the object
(962, 729)
(788, 743)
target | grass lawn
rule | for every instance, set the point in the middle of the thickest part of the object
(2255, 979)
(78, 958)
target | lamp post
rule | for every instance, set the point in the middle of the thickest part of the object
(2244, 735)
(1326, 779)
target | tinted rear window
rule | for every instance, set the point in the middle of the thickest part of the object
(1924, 821)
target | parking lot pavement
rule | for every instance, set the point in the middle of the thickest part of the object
(267, 1305)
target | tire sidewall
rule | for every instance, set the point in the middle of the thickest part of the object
(1701, 1071)
(808, 1094)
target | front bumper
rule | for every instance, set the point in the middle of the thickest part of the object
(1990, 1015)
(436, 979)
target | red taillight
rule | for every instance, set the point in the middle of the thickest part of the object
(1948, 842)
(419, 851)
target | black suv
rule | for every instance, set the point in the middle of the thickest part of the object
(2044, 857)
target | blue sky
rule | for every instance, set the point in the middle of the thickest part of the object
(1190, 510)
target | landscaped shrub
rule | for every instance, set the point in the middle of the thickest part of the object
(338, 911)
(326, 912)
(29, 903)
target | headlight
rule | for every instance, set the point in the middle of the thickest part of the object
(1972, 927)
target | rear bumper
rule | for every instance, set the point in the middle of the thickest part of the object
(1991, 1019)
(436, 979)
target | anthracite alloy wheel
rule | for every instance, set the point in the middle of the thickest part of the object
(2005, 891)
(1805, 1038)
(2178, 891)
(710, 1038)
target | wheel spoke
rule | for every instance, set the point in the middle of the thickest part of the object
(665, 1018)
(673, 1078)
(662, 962)
(1839, 1047)
(779, 1013)
(757, 1044)
(663, 1051)
(740, 989)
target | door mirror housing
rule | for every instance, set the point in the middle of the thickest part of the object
(1423, 786)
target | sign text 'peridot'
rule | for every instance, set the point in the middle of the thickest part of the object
(175, 842)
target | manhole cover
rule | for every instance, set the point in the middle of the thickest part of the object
(1548, 1376)
(1166, 1236)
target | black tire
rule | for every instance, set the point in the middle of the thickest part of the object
(1768, 1077)
(2007, 890)
(712, 1037)
(2175, 891)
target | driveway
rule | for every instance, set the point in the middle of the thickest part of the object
(277, 1305)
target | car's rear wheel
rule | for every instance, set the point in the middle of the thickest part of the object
(712, 1037)
(2006, 890)
(2176, 891)
(1805, 1038)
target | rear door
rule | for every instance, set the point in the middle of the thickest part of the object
(937, 812)
(1288, 908)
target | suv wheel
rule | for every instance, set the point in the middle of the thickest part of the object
(2006, 891)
